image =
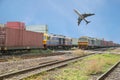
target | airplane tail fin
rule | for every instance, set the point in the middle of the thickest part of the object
(87, 22)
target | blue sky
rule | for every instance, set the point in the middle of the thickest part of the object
(61, 19)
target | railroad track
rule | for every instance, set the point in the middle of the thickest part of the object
(112, 74)
(17, 75)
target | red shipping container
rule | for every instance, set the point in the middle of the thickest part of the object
(20, 39)
(105, 43)
(16, 25)
(32, 39)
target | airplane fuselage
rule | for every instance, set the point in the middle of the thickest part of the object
(82, 17)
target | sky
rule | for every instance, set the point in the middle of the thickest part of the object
(61, 19)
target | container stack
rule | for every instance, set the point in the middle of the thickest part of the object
(14, 36)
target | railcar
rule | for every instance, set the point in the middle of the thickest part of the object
(16, 38)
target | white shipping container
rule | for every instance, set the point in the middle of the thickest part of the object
(2, 25)
(74, 41)
(38, 28)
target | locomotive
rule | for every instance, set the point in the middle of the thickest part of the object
(54, 41)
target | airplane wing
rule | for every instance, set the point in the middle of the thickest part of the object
(78, 13)
(86, 15)
(79, 20)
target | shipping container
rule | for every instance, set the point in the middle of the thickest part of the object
(38, 28)
(19, 39)
(105, 43)
(102, 43)
(98, 42)
(15, 25)
(2, 25)
(32, 39)
(74, 42)
(91, 41)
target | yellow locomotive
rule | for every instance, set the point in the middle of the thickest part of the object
(83, 42)
(45, 39)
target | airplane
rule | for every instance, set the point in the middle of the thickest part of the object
(82, 17)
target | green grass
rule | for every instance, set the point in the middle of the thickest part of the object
(82, 70)
(41, 51)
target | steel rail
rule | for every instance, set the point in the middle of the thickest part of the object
(103, 76)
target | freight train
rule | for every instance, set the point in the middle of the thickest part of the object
(14, 37)
(86, 42)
